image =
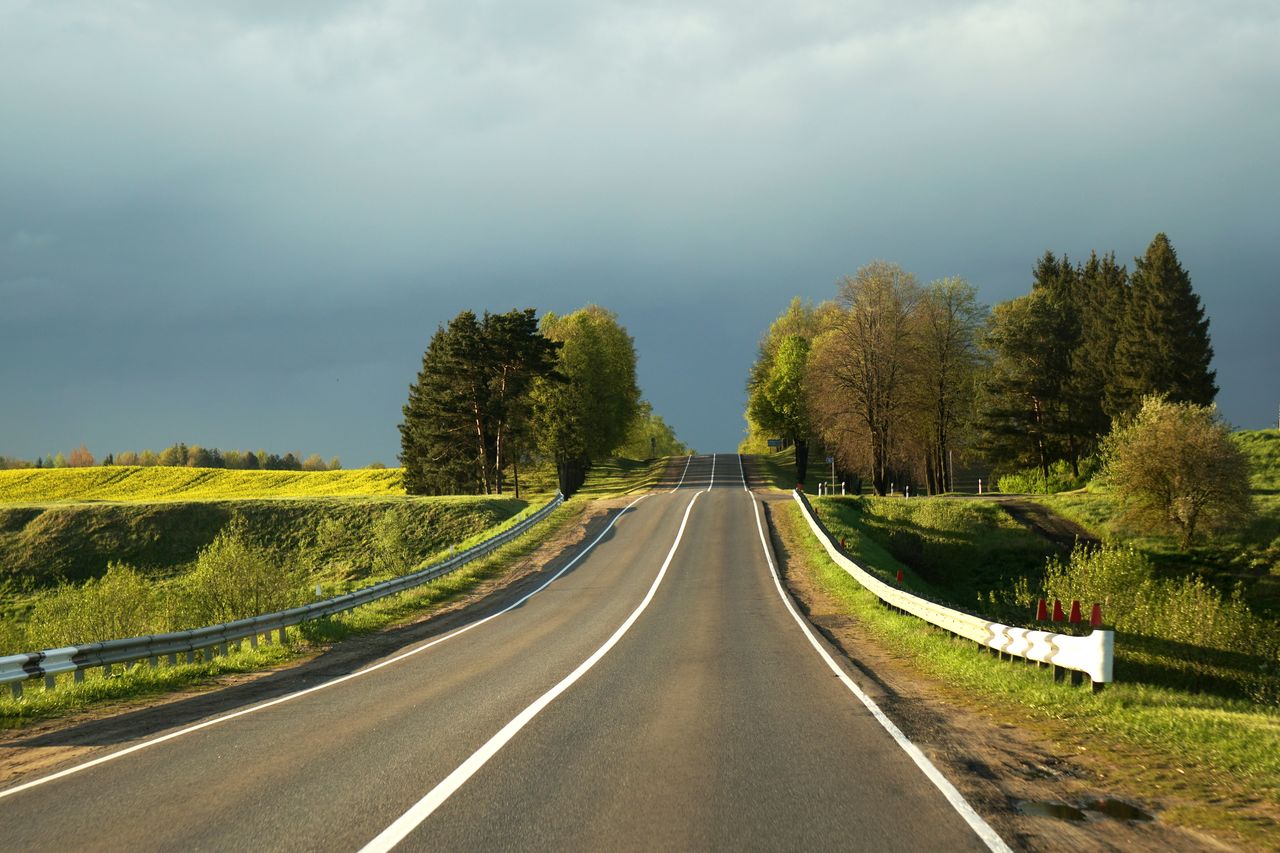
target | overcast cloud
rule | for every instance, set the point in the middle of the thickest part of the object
(240, 226)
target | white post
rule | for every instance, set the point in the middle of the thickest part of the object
(842, 488)
(906, 491)
(979, 485)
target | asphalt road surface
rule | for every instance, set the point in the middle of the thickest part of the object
(658, 694)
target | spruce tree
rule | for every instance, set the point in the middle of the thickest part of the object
(1163, 342)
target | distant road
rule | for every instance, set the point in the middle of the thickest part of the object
(651, 697)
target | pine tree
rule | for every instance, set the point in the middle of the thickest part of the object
(1163, 343)
(467, 412)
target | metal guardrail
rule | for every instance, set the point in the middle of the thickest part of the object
(215, 639)
(1092, 654)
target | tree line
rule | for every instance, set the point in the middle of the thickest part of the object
(182, 455)
(499, 391)
(896, 379)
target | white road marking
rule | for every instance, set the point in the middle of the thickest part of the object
(983, 830)
(686, 471)
(421, 810)
(742, 470)
(713, 471)
(291, 696)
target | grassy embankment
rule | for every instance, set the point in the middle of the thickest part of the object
(1178, 726)
(327, 538)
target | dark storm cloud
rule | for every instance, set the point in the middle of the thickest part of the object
(239, 225)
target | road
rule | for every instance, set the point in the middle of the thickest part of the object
(657, 694)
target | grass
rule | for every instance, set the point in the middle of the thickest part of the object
(141, 681)
(152, 484)
(1213, 763)
(42, 545)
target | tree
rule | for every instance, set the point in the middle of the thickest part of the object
(1022, 389)
(583, 410)
(1103, 297)
(174, 455)
(468, 409)
(777, 400)
(802, 319)
(199, 457)
(949, 320)
(314, 462)
(1163, 342)
(650, 436)
(1176, 465)
(80, 458)
(862, 367)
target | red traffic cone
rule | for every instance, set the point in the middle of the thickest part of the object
(899, 577)
(1042, 611)
(1058, 615)
(1095, 617)
(1075, 613)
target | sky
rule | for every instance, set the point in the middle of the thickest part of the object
(239, 224)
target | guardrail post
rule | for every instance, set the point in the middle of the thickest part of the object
(283, 636)
(15, 689)
(1059, 674)
(50, 682)
(224, 648)
(78, 678)
(154, 661)
(253, 641)
(191, 655)
(173, 658)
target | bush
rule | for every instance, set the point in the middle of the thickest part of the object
(234, 578)
(1176, 466)
(122, 603)
(1029, 481)
(1184, 610)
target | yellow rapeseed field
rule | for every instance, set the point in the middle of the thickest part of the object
(128, 483)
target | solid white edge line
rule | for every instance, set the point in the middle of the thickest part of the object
(436, 797)
(686, 471)
(291, 696)
(983, 830)
(743, 471)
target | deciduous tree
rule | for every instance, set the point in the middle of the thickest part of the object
(1176, 465)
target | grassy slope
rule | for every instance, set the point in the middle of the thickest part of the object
(39, 545)
(1212, 762)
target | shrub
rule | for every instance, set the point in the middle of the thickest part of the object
(1175, 465)
(122, 603)
(1030, 481)
(234, 578)
(1184, 610)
